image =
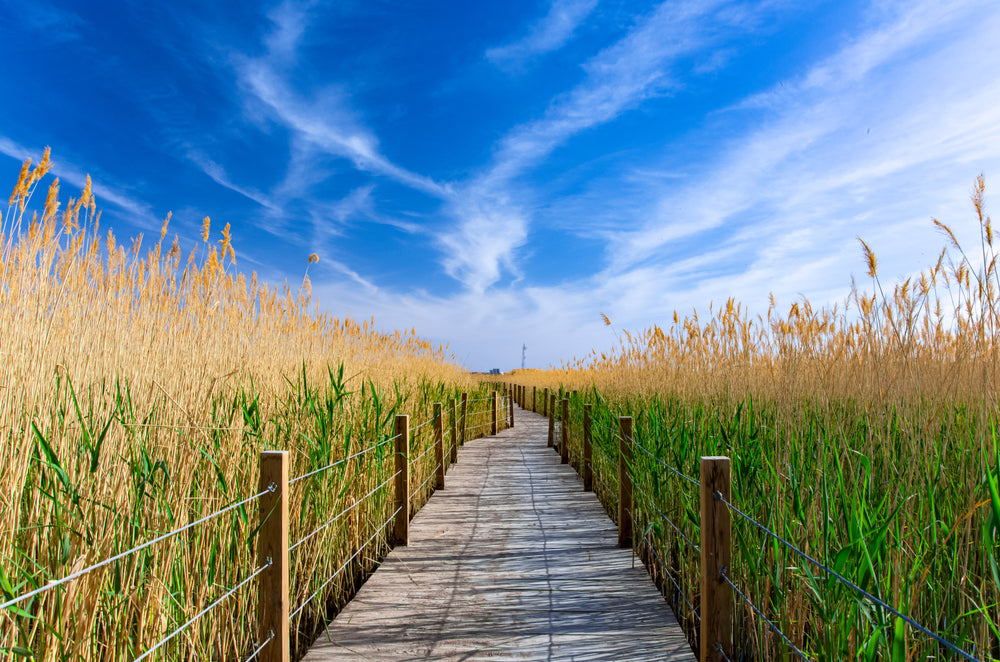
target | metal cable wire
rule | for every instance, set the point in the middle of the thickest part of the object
(346, 459)
(417, 427)
(345, 511)
(774, 628)
(419, 457)
(666, 571)
(204, 611)
(652, 504)
(345, 564)
(180, 427)
(270, 488)
(635, 444)
(833, 573)
(612, 460)
(718, 649)
(607, 488)
(432, 475)
(613, 431)
(253, 656)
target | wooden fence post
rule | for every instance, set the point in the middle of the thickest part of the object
(401, 529)
(545, 402)
(588, 470)
(624, 481)
(511, 410)
(534, 399)
(716, 595)
(454, 437)
(439, 444)
(272, 543)
(564, 446)
(494, 402)
(551, 406)
(465, 410)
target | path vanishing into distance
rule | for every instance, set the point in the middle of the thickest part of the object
(511, 561)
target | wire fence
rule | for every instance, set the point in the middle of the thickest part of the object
(344, 511)
(649, 503)
(343, 461)
(379, 530)
(117, 557)
(11, 606)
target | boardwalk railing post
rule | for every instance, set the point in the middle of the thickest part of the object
(545, 403)
(588, 470)
(564, 446)
(465, 410)
(439, 444)
(272, 544)
(551, 407)
(716, 596)
(624, 481)
(454, 437)
(493, 413)
(511, 408)
(401, 528)
(534, 399)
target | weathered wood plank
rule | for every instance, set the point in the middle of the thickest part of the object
(514, 561)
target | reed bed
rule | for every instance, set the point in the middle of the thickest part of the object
(864, 432)
(137, 388)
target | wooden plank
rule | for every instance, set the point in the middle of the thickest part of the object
(716, 596)
(588, 469)
(454, 435)
(401, 527)
(439, 445)
(564, 443)
(512, 562)
(624, 481)
(272, 546)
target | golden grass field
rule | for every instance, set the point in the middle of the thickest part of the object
(137, 387)
(865, 432)
(139, 384)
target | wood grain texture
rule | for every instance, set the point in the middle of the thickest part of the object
(512, 562)
(716, 541)
(588, 468)
(272, 547)
(624, 481)
(564, 442)
(454, 430)
(401, 528)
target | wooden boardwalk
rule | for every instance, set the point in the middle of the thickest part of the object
(511, 561)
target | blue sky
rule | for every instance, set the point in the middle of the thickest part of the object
(499, 173)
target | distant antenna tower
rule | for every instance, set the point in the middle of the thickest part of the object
(524, 353)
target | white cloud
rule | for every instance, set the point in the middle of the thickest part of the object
(619, 78)
(139, 213)
(550, 33)
(218, 174)
(873, 141)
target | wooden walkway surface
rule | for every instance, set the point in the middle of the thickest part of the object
(511, 561)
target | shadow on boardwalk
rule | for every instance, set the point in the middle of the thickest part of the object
(511, 561)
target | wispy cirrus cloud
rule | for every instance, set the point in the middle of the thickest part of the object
(619, 78)
(218, 174)
(865, 109)
(547, 34)
(137, 212)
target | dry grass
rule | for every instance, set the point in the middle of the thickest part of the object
(864, 431)
(137, 386)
